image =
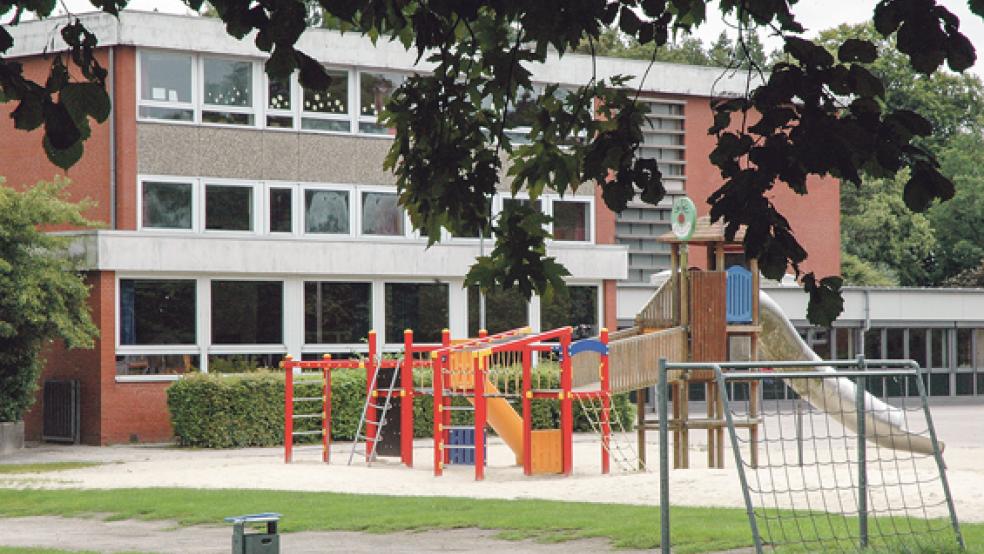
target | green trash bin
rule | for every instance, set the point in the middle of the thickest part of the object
(255, 542)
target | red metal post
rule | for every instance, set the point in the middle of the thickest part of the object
(406, 400)
(446, 402)
(566, 405)
(527, 410)
(288, 410)
(436, 363)
(606, 406)
(482, 333)
(370, 424)
(326, 410)
(479, 388)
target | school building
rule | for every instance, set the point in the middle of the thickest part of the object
(244, 218)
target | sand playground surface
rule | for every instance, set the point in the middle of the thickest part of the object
(960, 426)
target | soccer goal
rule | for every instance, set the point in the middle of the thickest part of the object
(847, 456)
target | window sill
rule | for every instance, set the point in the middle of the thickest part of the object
(147, 378)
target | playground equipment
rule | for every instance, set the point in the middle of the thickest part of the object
(483, 374)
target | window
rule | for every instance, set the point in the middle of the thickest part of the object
(965, 346)
(917, 346)
(157, 311)
(940, 351)
(337, 313)
(374, 90)
(571, 220)
(873, 344)
(167, 205)
(247, 312)
(504, 310)
(281, 210)
(579, 310)
(328, 110)
(229, 207)
(156, 364)
(326, 211)
(280, 103)
(165, 86)
(381, 214)
(421, 307)
(227, 93)
(243, 363)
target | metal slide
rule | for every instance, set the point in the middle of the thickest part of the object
(884, 424)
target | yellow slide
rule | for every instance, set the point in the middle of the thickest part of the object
(504, 420)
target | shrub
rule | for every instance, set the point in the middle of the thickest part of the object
(226, 411)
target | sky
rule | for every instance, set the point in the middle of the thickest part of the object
(815, 15)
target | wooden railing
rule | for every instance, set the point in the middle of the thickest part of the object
(634, 360)
(660, 311)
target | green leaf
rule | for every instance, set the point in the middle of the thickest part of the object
(926, 185)
(826, 302)
(857, 50)
(63, 157)
(977, 6)
(29, 114)
(82, 99)
(960, 54)
(312, 75)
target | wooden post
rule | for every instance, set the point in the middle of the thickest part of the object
(675, 279)
(719, 256)
(754, 267)
(641, 426)
(684, 288)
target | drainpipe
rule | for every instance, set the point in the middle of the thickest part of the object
(867, 310)
(111, 85)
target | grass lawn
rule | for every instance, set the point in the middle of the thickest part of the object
(694, 529)
(45, 467)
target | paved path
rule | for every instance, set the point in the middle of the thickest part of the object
(167, 537)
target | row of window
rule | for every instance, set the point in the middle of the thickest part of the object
(172, 204)
(163, 316)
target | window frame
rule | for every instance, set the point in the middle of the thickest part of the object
(211, 347)
(268, 187)
(387, 342)
(166, 104)
(302, 214)
(294, 112)
(309, 347)
(351, 116)
(589, 201)
(253, 109)
(172, 179)
(359, 118)
(408, 231)
(257, 206)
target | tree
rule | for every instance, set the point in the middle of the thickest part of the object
(612, 42)
(960, 238)
(858, 272)
(42, 295)
(814, 114)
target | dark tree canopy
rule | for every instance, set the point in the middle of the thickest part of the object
(817, 113)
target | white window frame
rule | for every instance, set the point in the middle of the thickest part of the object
(194, 181)
(257, 205)
(360, 119)
(315, 347)
(293, 113)
(214, 348)
(408, 231)
(156, 349)
(589, 200)
(302, 214)
(351, 117)
(192, 105)
(252, 109)
(386, 341)
(268, 187)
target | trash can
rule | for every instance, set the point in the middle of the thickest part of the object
(255, 542)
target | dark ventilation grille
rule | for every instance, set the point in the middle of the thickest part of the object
(61, 411)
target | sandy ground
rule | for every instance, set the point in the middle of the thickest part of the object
(960, 426)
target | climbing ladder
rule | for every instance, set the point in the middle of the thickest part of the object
(373, 415)
(600, 416)
(310, 407)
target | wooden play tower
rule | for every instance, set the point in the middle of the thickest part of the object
(719, 311)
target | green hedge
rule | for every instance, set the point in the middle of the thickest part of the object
(225, 411)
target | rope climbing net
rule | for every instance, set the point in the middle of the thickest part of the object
(621, 453)
(847, 460)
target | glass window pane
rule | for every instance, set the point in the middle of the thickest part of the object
(228, 208)
(281, 201)
(979, 348)
(278, 94)
(965, 347)
(165, 77)
(167, 205)
(873, 344)
(228, 83)
(247, 312)
(940, 357)
(522, 112)
(939, 384)
(965, 384)
(243, 363)
(571, 220)
(375, 89)
(421, 307)
(917, 346)
(845, 343)
(170, 114)
(894, 344)
(820, 342)
(578, 309)
(156, 364)
(333, 100)
(381, 214)
(337, 313)
(157, 311)
(334, 125)
(326, 211)
(504, 310)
